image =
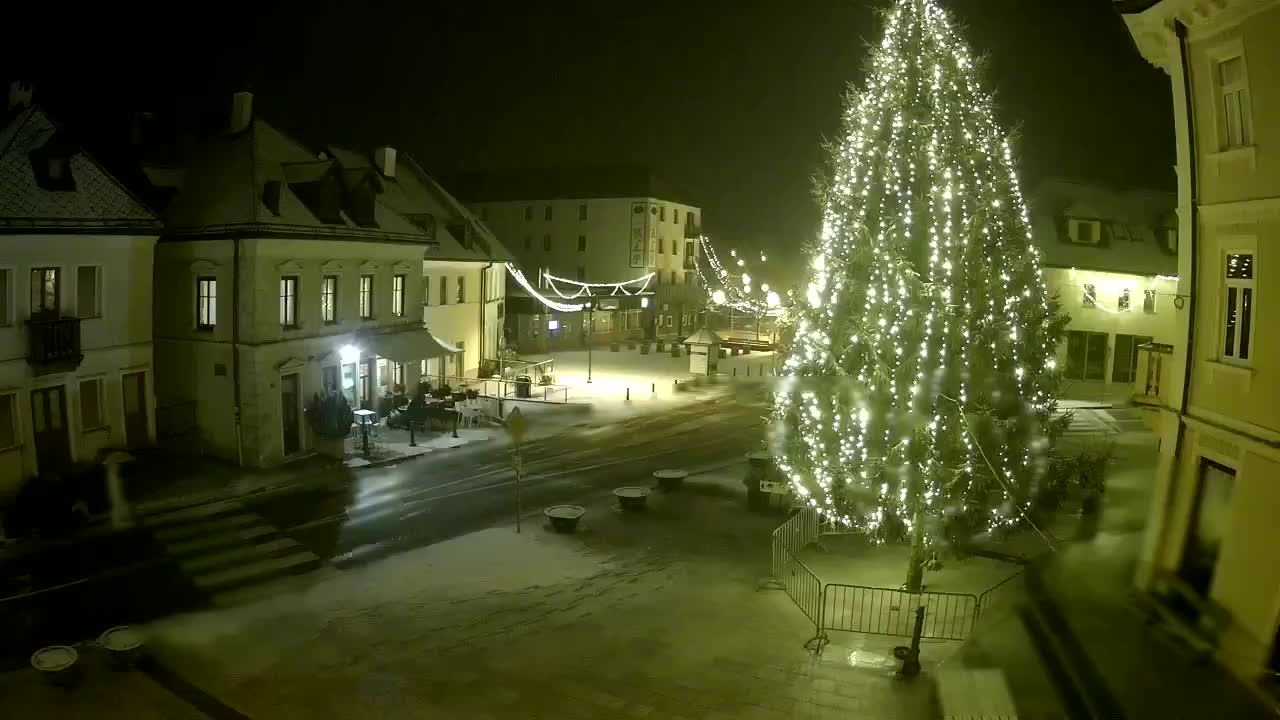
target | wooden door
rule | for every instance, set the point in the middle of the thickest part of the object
(49, 425)
(136, 431)
(289, 414)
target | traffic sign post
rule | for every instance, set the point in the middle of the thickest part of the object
(517, 427)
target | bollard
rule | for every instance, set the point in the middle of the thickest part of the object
(910, 656)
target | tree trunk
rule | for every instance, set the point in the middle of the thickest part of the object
(915, 567)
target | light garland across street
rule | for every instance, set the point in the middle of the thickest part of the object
(586, 289)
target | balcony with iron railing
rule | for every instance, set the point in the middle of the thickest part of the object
(53, 344)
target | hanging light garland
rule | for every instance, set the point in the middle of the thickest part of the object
(736, 294)
(585, 289)
(552, 304)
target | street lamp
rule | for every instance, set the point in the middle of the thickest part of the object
(591, 326)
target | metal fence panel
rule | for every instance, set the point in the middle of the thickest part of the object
(880, 611)
(792, 536)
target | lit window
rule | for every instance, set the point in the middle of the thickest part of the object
(397, 295)
(46, 291)
(1089, 298)
(366, 297)
(1235, 111)
(289, 301)
(329, 299)
(1238, 290)
(461, 290)
(206, 303)
(1149, 300)
(1124, 302)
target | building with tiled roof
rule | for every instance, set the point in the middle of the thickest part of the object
(1110, 256)
(287, 271)
(75, 302)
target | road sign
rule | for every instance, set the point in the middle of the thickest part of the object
(516, 425)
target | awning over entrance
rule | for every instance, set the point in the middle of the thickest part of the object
(409, 346)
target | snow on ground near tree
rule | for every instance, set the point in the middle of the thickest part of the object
(653, 614)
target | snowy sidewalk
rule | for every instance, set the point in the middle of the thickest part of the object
(655, 614)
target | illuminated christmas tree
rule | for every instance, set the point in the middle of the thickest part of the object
(919, 406)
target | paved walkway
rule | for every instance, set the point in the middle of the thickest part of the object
(658, 614)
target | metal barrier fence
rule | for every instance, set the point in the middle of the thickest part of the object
(805, 590)
(997, 596)
(877, 611)
(792, 536)
(880, 611)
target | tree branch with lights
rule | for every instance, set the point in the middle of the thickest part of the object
(921, 386)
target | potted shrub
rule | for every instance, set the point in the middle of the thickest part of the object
(330, 418)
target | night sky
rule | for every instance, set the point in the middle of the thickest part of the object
(732, 107)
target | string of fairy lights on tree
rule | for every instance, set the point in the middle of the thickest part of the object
(922, 377)
(734, 288)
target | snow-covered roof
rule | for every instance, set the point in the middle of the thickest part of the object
(88, 196)
(261, 177)
(1132, 221)
(704, 336)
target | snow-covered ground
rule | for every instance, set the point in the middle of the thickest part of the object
(656, 614)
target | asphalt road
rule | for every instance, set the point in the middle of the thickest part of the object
(442, 495)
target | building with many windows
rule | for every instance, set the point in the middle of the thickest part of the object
(1212, 526)
(285, 271)
(1110, 257)
(598, 225)
(75, 303)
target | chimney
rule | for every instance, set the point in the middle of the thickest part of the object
(385, 159)
(241, 112)
(19, 95)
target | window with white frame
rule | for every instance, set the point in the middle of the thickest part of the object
(1125, 301)
(289, 301)
(1149, 301)
(91, 415)
(8, 428)
(397, 295)
(1237, 317)
(206, 303)
(329, 299)
(1089, 295)
(6, 297)
(1084, 232)
(88, 291)
(1234, 106)
(462, 290)
(366, 297)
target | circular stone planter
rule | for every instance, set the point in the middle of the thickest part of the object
(123, 645)
(57, 664)
(564, 518)
(631, 499)
(670, 479)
